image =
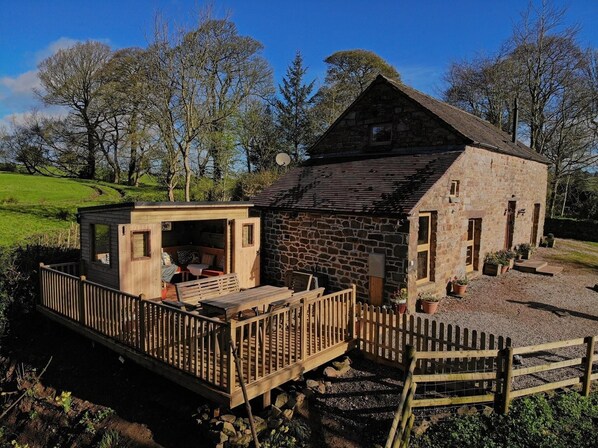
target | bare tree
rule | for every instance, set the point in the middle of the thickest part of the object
(71, 78)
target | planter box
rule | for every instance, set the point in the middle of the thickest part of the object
(492, 269)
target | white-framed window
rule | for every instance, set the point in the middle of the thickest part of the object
(380, 134)
(424, 247)
(454, 191)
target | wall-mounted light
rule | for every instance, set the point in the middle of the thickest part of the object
(521, 212)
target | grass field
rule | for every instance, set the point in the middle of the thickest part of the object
(31, 205)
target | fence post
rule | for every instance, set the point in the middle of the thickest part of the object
(141, 322)
(232, 341)
(303, 329)
(507, 379)
(352, 311)
(41, 285)
(587, 378)
(82, 299)
(405, 400)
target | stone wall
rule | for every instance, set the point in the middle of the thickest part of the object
(412, 125)
(488, 180)
(337, 246)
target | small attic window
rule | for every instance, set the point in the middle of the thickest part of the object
(454, 189)
(380, 134)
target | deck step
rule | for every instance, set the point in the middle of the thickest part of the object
(551, 271)
(530, 266)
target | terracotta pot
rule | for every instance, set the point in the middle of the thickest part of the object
(526, 255)
(400, 308)
(504, 268)
(459, 289)
(429, 307)
(511, 263)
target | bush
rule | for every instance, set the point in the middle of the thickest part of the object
(249, 185)
(565, 420)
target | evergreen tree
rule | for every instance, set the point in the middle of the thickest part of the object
(293, 109)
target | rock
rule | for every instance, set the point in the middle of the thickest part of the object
(281, 400)
(340, 365)
(517, 360)
(288, 414)
(229, 429)
(322, 388)
(487, 411)
(260, 424)
(299, 399)
(439, 417)
(218, 436)
(312, 384)
(419, 429)
(275, 411)
(228, 418)
(274, 423)
(242, 440)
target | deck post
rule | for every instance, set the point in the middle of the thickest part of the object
(231, 366)
(352, 312)
(587, 378)
(303, 330)
(141, 322)
(41, 284)
(82, 279)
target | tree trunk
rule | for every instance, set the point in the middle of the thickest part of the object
(132, 171)
(555, 186)
(89, 171)
(565, 195)
(187, 168)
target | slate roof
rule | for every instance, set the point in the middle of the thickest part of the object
(475, 129)
(389, 185)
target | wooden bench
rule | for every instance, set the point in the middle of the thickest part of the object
(197, 290)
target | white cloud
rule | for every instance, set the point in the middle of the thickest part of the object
(17, 93)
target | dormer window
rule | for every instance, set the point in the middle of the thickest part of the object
(380, 134)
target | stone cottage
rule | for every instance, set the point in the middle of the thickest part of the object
(402, 190)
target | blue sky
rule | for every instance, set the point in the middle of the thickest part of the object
(420, 38)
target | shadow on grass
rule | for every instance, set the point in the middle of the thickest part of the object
(555, 309)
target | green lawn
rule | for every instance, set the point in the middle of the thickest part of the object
(31, 205)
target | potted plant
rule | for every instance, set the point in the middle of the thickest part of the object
(492, 263)
(549, 240)
(460, 285)
(398, 300)
(526, 250)
(429, 302)
(507, 259)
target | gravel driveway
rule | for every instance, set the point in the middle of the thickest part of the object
(531, 308)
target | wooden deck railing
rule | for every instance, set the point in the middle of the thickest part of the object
(199, 345)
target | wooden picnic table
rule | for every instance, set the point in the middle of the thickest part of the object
(232, 304)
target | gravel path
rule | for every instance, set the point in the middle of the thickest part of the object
(528, 307)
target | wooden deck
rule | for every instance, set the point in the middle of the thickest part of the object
(194, 350)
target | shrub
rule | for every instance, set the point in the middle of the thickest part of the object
(249, 185)
(565, 420)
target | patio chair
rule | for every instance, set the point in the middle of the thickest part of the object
(298, 281)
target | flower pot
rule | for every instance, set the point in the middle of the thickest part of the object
(458, 289)
(429, 307)
(492, 269)
(504, 268)
(511, 263)
(400, 308)
(526, 254)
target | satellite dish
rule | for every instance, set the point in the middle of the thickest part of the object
(283, 159)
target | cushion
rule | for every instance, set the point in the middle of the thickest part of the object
(184, 256)
(166, 260)
(208, 259)
(195, 257)
(219, 263)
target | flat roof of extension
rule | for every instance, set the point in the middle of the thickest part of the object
(165, 205)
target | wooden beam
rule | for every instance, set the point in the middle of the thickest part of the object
(546, 367)
(458, 354)
(545, 387)
(436, 377)
(587, 378)
(452, 400)
(547, 346)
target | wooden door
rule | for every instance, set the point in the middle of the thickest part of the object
(510, 228)
(472, 245)
(535, 222)
(246, 251)
(139, 254)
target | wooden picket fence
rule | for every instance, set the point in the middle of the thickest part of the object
(463, 366)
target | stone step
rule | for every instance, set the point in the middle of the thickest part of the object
(551, 271)
(530, 266)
